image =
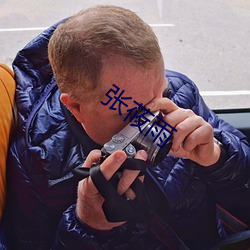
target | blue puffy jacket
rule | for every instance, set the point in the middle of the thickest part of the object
(42, 191)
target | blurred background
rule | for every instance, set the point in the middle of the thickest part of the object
(208, 40)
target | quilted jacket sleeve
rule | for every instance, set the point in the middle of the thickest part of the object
(71, 227)
(73, 234)
(230, 179)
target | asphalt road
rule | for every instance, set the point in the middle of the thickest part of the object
(209, 41)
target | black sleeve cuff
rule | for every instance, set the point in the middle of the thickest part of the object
(100, 234)
(212, 168)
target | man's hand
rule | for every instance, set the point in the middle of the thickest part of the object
(89, 203)
(194, 136)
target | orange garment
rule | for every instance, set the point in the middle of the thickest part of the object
(7, 92)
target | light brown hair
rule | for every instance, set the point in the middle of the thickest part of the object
(79, 45)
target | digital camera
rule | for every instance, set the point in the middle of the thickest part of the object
(142, 133)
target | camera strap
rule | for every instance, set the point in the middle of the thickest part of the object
(118, 208)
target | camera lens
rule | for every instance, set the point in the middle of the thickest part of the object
(156, 154)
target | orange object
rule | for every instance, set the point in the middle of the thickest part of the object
(7, 120)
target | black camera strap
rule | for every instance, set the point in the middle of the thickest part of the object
(118, 208)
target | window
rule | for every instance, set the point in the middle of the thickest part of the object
(206, 40)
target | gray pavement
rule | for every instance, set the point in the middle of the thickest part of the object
(209, 41)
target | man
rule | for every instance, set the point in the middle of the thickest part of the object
(95, 54)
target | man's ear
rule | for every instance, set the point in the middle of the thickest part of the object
(73, 106)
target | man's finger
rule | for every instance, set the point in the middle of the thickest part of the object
(163, 104)
(128, 176)
(113, 163)
(93, 156)
(184, 129)
(130, 194)
(108, 168)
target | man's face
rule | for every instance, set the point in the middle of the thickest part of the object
(142, 85)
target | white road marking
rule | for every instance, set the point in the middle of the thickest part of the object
(44, 28)
(160, 4)
(162, 25)
(225, 93)
(23, 29)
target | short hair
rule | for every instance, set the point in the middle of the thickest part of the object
(79, 45)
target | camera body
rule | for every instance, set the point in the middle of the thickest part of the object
(141, 133)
